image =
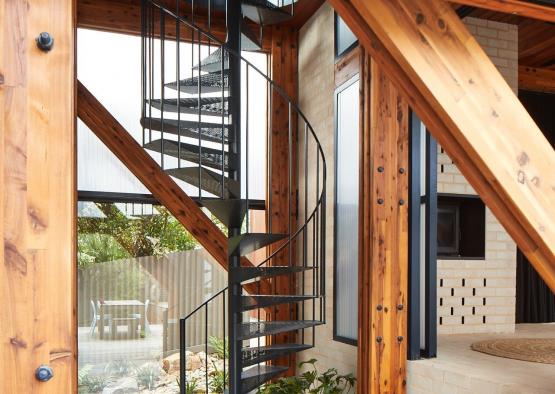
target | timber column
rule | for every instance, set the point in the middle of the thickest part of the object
(37, 198)
(383, 269)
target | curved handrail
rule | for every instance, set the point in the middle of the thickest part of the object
(198, 308)
(284, 96)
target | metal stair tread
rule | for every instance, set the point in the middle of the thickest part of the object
(209, 106)
(231, 212)
(260, 329)
(211, 181)
(208, 131)
(256, 376)
(208, 157)
(255, 355)
(209, 83)
(249, 242)
(247, 273)
(264, 12)
(249, 302)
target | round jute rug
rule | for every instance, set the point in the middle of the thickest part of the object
(537, 350)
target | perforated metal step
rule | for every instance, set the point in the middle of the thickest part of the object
(208, 131)
(208, 157)
(210, 106)
(211, 181)
(264, 12)
(247, 273)
(230, 212)
(249, 302)
(261, 329)
(258, 375)
(249, 242)
(255, 355)
(209, 83)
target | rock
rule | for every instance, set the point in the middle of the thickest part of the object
(195, 361)
(171, 363)
(122, 386)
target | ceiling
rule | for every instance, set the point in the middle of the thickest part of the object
(536, 39)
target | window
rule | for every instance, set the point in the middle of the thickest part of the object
(461, 227)
(346, 212)
(344, 37)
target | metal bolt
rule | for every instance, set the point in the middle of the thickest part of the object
(399, 338)
(379, 307)
(380, 169)
(379, 339)
(401, 202)
(401, 170)
(400, 307)
(44, 373)
(380, 201)
(45, 42)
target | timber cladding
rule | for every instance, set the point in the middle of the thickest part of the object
(383, 263)
(38, 201)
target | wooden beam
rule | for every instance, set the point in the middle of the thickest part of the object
(37, 200)
(383, 243)
(522, 8)
(160, 184)
(304, 9)
(536, 79)
(124, 16)
(472, 112)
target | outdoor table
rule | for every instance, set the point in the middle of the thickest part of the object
(121, 308)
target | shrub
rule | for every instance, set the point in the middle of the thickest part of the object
(219, 346)
(148, 374)
(311, 382)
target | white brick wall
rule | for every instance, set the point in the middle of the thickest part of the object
(488, 292)
(316, 86)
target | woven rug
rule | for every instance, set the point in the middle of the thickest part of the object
(537, 350)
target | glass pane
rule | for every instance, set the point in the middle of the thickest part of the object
(343, 35)
(139, 271)
(346, 226)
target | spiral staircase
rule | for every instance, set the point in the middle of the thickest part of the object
(198, 126)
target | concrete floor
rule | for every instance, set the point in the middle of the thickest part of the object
(460, 370)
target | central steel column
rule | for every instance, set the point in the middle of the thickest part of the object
(234, 18)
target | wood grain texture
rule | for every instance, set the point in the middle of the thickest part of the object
(472, 112)
(38, 201)
(536, 79)
(515, 7)
(383, 263)
(347, 67)
(284, 64)
(160, 184)
(124, 16)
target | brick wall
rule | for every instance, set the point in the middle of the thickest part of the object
(316, 87)
(479, 295)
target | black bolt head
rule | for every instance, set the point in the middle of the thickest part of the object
(380, 169)
(401, 202)
(44, 373)
(399, 338)
(379, 307)
(45, 42)
(378, 339)
(380, 201)
(400, 307)
(401, 170)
